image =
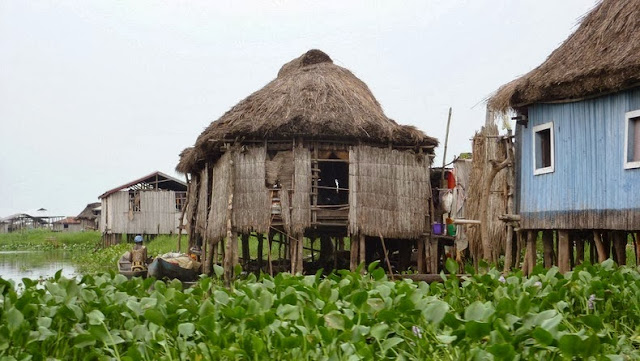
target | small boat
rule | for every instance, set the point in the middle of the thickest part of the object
(169, 267)
(124, 267)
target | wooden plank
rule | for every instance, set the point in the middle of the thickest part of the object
(530, 251)
(620, 247)
(564, 264)
(547, 244)
(353, 261)
(579, 250)
(602, 253)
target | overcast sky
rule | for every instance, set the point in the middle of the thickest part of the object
(94, 94)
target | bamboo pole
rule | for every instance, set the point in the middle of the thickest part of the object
(446, 142)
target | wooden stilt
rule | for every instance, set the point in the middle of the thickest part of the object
(327, 249)
(386, 256)
(519, 243)
(579, 250)
(547, 244)
(531, 251)
(620, 247)
(246, 254)
(270, 241)
(361, 249)
(260, 237)
(636, 239)
(353, 262)
(421, 255)
(602, 253)
(563, 251)
(572, 240)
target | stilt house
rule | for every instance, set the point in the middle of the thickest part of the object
(90, 216)
(311, 155)
(149, 206)
(578, 136)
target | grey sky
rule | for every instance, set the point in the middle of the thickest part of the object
(94, 94)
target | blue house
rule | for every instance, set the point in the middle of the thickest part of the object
(578, 130)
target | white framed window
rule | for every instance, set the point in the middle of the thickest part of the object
(632, 139)
(543, 149)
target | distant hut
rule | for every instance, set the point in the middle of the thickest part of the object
(67, 224)
(311, 155)
(90, 216)
(149, 206)
(578, 138)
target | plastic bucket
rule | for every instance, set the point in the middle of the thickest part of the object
(438, 228)
(451, 229)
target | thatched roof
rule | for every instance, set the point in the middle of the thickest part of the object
(87, 212)
(600, 57)
(311, 98)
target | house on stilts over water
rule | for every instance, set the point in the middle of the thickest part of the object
(149, 206)
(578, 139)
(307, 165)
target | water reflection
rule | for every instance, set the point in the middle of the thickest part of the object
(16, 265)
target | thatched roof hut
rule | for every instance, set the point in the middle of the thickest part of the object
(600, 57)
(312, 151)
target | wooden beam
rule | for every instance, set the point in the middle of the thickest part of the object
(531, 251)
(564, 263)
(602, 253)
(547, 244)
(620, 247)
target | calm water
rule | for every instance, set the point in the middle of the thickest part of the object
(16, 265)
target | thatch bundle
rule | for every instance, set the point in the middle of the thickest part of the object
(600, 57)
(486, 149)
(311, 98)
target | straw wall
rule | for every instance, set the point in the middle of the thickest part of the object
(251, 202)
(301, 201)
(221, 181)
(389, 192)
(201, 213)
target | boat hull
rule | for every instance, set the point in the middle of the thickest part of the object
(161, 268)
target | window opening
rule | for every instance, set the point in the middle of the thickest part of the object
(543, 149)
(134, 201)
(333, 182)
(181, 199)
(632, 140)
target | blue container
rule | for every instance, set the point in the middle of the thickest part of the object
(438, 228)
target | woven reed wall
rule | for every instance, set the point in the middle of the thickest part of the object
(389, 193)
(221, 182)
(251, 201)
(301, 201)
(201, 214)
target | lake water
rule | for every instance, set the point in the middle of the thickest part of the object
(16, 265)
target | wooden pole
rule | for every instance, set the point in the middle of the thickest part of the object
(564, 264)
(184, 209)
(361, 249)
(421, 256)
(602, 253)
(354, 253)
(636, 239)
(510, 206)
(579, 250)
(531, 251)
(446, 142)
(547, 244)
(386, 256)
(246, 255)
(270, 241)
(230, 256)
(260, 237)
(620, 247)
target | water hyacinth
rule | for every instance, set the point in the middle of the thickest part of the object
(344, 316)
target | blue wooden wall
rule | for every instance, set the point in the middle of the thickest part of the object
(589, 189)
